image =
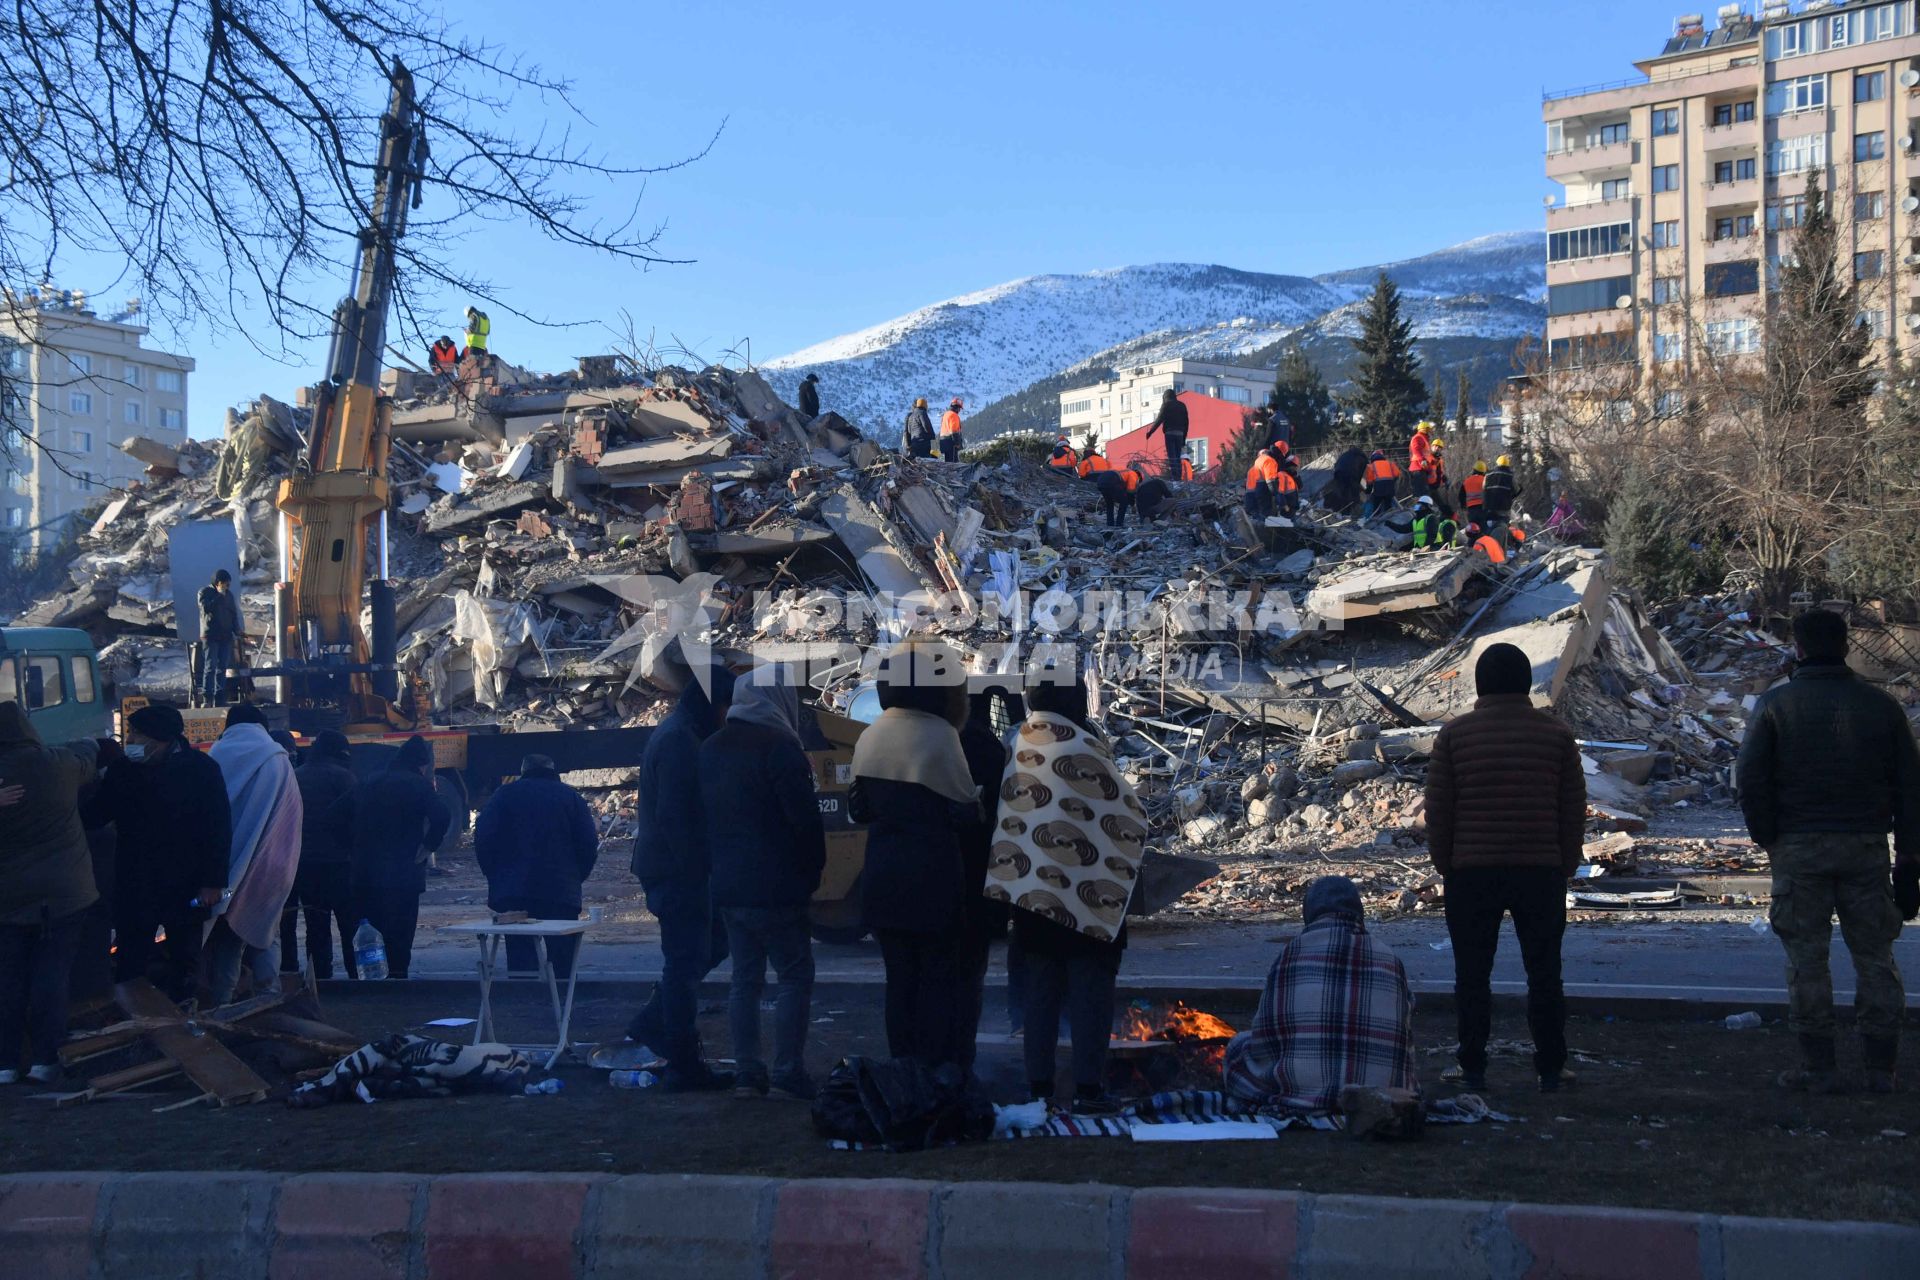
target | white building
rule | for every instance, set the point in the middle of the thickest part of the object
(1132, 399)
(75, 385)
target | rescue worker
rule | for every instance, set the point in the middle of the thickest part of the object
(1262, 484)
(917, 438)
(1828, 769)
(1186, 468)
(1115, 494)
(1420, 458)
(1473, 498)
(1343, 492)
(1092, 462)
(1064, 458)
(810, 396)
(1152, 495)
(1499, 491)
(1286, 488)
(442, 356)
(1172, 420)
(950, 431)
(220, 628)
(1437, 479)
(1279, 429)
(1486, 544)
(478, 329)
(1426, 524)
(1382, 480)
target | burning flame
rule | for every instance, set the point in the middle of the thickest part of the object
(1178, 1022)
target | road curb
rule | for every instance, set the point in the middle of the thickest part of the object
(506, 1226)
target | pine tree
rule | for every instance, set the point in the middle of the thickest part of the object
(1387, 392)
(1237, 458)
(1463, 404)
(1437, 400)
(1300, 395)
(1646, 535)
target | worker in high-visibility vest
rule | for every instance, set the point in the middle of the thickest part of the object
(1093, 462)
(1186, 468)
(1286, 490)
(1382, 479)
(1473, 496)
(478, 329)
(1064, 458)
(1486, 544)
(1262, 484)
(950, 431)
(1426, 524)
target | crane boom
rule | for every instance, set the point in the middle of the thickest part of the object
(332, 672)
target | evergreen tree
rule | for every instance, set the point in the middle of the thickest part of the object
(1463, 404)
(1300, 395)
(1234, 462)
(1437, 401)
(1387, 391)
(1645, 533)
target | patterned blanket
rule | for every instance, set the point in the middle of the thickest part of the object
(404, 1066)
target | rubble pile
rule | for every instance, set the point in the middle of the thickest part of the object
(1273, 688)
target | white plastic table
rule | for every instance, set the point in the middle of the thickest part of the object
(491, 935)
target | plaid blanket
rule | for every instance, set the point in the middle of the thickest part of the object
(1336, 1011)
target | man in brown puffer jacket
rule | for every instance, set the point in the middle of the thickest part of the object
(1506, 814)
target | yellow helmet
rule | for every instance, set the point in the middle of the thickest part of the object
(1425, 428)
(920, 402)
(1504, 461)
(1480, 466)
(1439, 446)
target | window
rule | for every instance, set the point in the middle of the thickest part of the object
(1587, 350)
(82, 363)
(1733, 337)
(1667, 347)
(1777, 264)
(1839, 31)
(1733, 227)
(82, 671)
(83, 441)
(43, 685)
(1733, 170)
(1616, 188)
(1197, 454)
(1666, 235)
(1732, 113)
(13, 356)
(1743, 169)
(1723, 171)
(18, 482)
(1870, 265)
(1666, 177)
(1870, 146)
(1076, 406)
(173, 419)
(167, 380)
(1590, 242)
(1791, 97)
(1126, 401)
(1869, 86)
(132, 376)
(1869, 206)
(1732, 279)
(1236, 395)
(79, 402)
(1786, 213)
(1587, 295)
(1619, 412)
(1875, 323)
(1608, 135)
(1666, 120)
(131, 412)
(16, 519)
(1666, 289)
(1883, 22)
(1793, 155)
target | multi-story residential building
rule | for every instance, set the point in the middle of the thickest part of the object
(1131, 399)
(75, 385)
(1683, 186)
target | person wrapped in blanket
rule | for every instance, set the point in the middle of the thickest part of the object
(1336, 1011)
(407, 1066)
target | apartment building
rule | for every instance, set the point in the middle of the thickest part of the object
(75, 385)
(1682, 186)
(1130, 400)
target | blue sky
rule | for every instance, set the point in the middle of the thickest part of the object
(879, 156)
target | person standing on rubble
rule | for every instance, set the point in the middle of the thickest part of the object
(810, 396)
(671, 861)
(172, 835)
(1173, 421)
(1828, 768)
(1115, 496)
(1473, 497)
(768, 847)
(443, 357)
(917, 438)
(1437, 487)
(913, 792)
(479, 329)
(397, 818)
(323, 887)
(1506, 818)
(220, 628)
(1420, 459)
(536, 842)
(1498, 493)
(1382, 479)
(951, 441)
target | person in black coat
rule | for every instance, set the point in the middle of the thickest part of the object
(1116, 499)
(1343, 492)
(1173, 422)
(671, 862)
(1153, 494)
(536, 842)
(172, 832)
(397, 818)
(810, 396)
(768, 848)
(323, 888)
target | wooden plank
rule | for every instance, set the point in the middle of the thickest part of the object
(205, 1060)
(119, 1081)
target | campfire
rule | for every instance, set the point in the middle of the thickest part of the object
(1165, 1042)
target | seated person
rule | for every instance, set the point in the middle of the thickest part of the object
(1336, 1011)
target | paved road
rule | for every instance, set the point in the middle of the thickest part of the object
(1712, 962)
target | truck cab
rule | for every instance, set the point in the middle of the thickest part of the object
(55, 674)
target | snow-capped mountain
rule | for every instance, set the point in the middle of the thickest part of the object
(1028, 336)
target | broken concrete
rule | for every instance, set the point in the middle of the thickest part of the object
(1390, 585)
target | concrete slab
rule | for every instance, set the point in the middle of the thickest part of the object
(658, 454)
(1392, 585)
(861, 530)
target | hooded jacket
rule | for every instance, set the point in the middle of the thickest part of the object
(762, 817)
(45, 872)
(1505, 788)
(669, 837)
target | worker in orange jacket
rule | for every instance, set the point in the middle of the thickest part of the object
(1486, 544)
(950, 431)
(1064, 458)
(443, 356)
(1473, 496)
(1271, 487)
(1420, 459)
(1382, 479)
(1437, 479)
(1093, 462)
(1186, 468)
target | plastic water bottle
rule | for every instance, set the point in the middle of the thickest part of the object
(369, 952)
(1743, 1021)
(548, 1085)
(632, 1079)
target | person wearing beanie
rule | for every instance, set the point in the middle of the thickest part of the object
(536, 843)
(173, 829)
(670, 861)
(397, 820)
(323, 888)
(1506, 818)
(1336, 1011)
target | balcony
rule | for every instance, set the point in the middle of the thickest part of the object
(1586, 212)
(1741, 135)
(1739, 191)
(1733, 248)
(1581, 160)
